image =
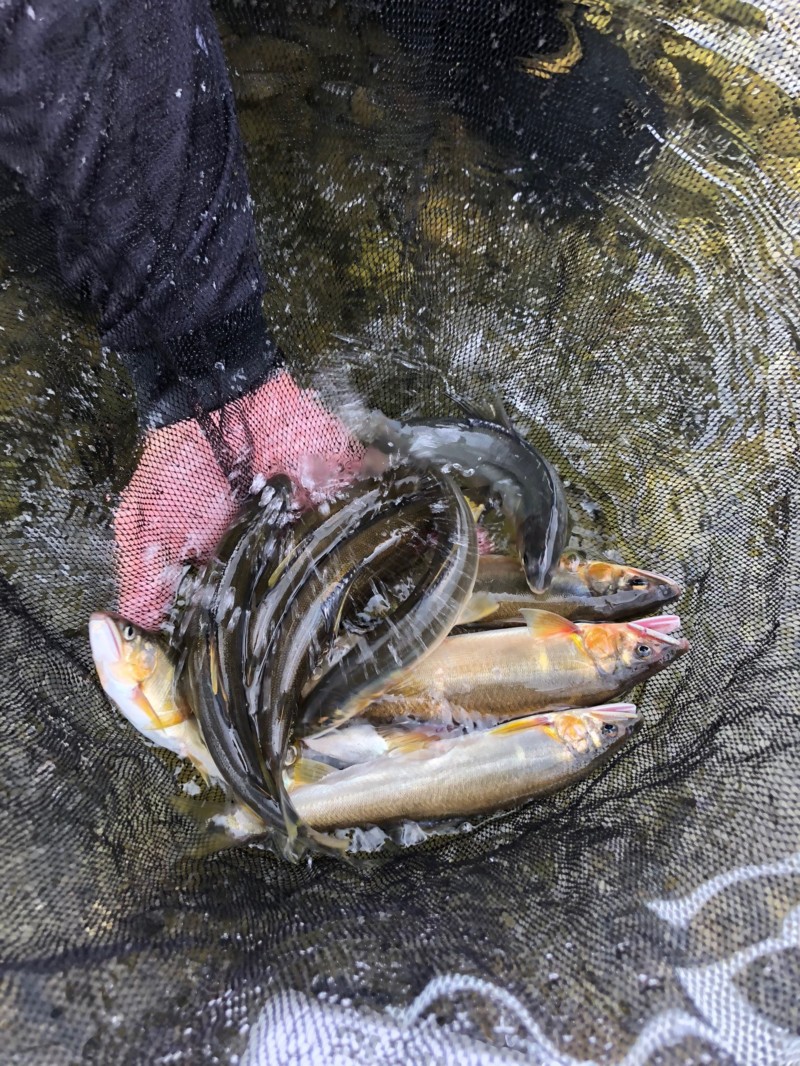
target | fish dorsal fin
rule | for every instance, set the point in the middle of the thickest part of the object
(309, 772)
(544, 624)
(480, 605)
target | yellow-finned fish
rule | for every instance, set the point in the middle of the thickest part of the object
(550, 664)
(416, 773)
(138, 676)
(482, 772)
(585, 591)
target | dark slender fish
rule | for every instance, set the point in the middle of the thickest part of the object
(209, 636)
(310, 626)
(490, 453)
(418, 625)
(337, 548)
(255, 552)
(201, 684)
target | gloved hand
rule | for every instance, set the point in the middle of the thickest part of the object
(179, 501)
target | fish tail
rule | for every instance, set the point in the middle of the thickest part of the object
(479, 606)
(299, 834)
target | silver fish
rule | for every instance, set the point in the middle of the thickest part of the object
(482, 772)
(550, 664)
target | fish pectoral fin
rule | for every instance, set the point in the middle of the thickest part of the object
(476, 509)
(309, 772)
(203, 770)
(166, 721)
(571, 560)
(401, 739)
(225, 825)
(660, 623)
(480, 605)
(531, 721)
(159, 721)
(543, 624)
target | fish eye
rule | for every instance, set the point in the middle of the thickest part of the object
(637, 583)
(609, 729)
(644, 651)
(128, 632)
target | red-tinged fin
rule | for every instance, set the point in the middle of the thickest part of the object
(607, 712)
(662, 623)
(544, 624)
(160, 721)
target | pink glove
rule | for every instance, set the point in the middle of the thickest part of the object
(179, 502)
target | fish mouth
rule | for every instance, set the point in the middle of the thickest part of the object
(661, 628)
(538, 578)
(615, 713)
(663, 624)
(667, 589)
(671, 590)
(104, 640)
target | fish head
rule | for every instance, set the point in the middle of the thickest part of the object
(540, 550)
(593, 730)
(634, 651)
(638, 589)
(121, 650)
(133, 667)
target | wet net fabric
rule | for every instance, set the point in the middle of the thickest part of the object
(595, 208)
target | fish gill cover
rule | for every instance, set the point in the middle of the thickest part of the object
(596, 205)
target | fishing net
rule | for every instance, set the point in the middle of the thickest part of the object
(595, 208)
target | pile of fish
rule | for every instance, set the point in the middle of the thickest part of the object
(361, 668)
